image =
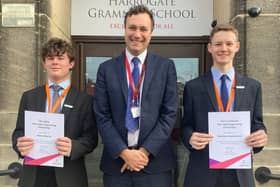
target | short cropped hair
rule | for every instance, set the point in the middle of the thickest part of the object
(57, 47)
(140, 9)
(223, 27)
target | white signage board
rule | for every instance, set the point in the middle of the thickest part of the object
(18, 14)
(172, 17)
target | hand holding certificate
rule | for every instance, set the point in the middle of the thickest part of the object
(44, 129)
(228, 149)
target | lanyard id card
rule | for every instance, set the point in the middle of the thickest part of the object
(135, 110)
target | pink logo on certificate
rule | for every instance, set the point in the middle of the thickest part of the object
(215, 164)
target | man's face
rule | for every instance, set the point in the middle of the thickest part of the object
(58, 67)
(138, 33)
(223, 47)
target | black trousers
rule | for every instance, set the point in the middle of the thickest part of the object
(138, 179)
(227, 178)
(45, 177)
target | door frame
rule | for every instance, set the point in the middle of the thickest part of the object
(79, 43)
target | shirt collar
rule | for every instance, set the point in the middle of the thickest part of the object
(217, 75)
(63, 84)
(141, 57)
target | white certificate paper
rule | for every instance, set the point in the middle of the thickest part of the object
(44, 128)
(228, 149)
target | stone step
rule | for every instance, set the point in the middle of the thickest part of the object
(268, 157)
(271, 183)
(273, 130)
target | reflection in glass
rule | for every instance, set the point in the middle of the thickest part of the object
(187, 69)
(92, 64)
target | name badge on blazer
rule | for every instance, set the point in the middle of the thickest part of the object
(68, 106)
(240, 87)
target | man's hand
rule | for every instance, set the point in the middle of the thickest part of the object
(143, 150)
(24, 145)
(135, 160)
(199, 141)
(257, 139)
(64, 146)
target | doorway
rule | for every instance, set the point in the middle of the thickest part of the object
(191, 59)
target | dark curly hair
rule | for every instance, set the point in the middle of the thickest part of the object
(57, 47)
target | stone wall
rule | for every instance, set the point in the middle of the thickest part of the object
(20, 66)
(263, 57)
(18, 72)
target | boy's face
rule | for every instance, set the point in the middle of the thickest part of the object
(223, 47)
(58, 67)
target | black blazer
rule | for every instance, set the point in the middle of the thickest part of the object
(199, 99)
(80, 127)
(158, 112)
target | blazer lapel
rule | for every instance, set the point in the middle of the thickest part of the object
(69, 101)
(121, 73)
(239, 91)
(151, 65)
(41, 99)
(209, 85)
(68, 106)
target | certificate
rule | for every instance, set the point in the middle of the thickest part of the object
(44, 128)
(228, 149)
